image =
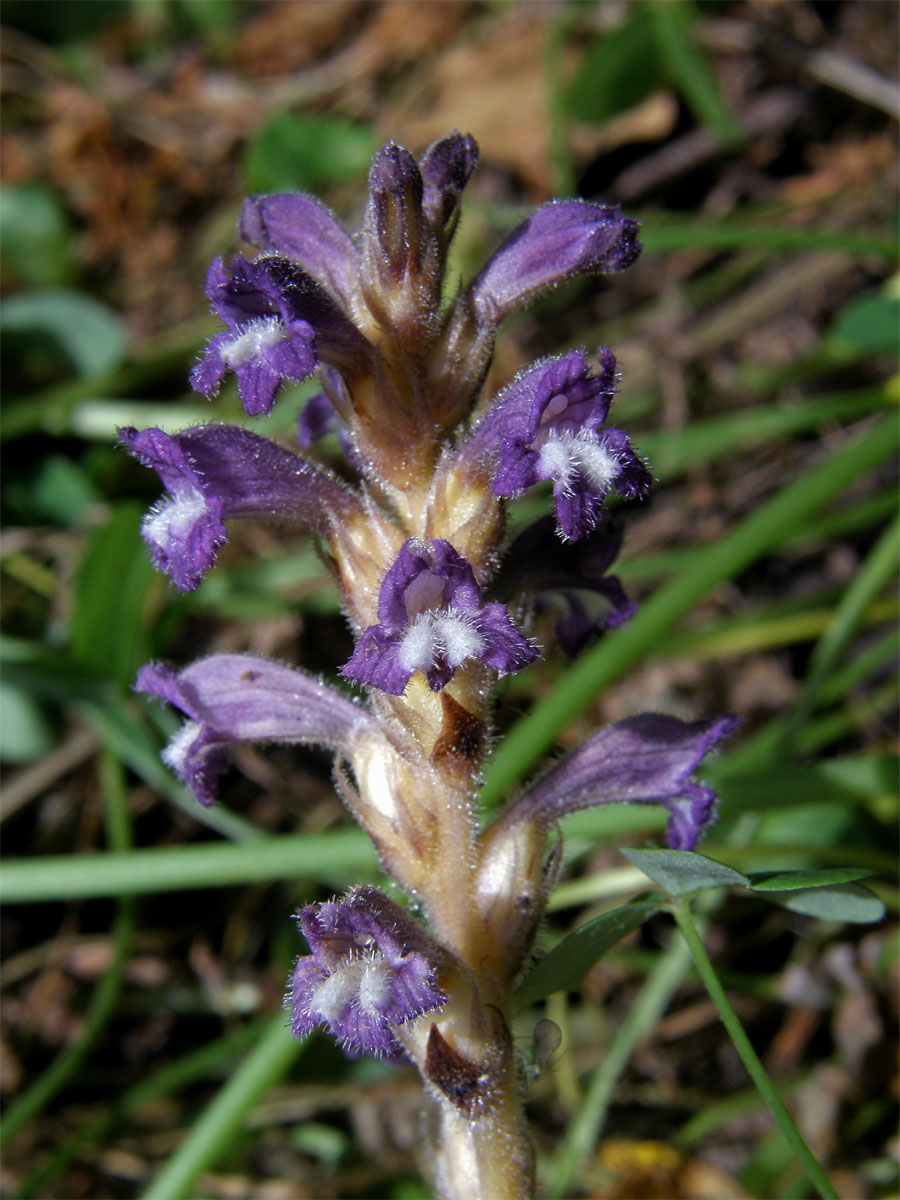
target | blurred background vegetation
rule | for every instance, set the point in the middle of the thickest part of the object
(146, 942)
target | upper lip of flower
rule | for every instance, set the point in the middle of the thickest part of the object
(648, 759)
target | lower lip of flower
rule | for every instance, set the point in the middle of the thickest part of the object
(260, 335)
(443, 634)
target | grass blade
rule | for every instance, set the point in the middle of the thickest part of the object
(330, 857)
(269, 1062)
(749, 1057)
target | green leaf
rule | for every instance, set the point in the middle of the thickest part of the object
(107, 630)
(681, 872)
(868, 325)
(26, 733)
(789, 881)
(689, 69)
(34, 233)
(849, 902)
(62, 490)
(617, 72)
(86, 332)
(569, 961)
(306, 153)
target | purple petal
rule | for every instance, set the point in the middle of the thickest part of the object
(643, 760)
(266, 343)
(395, 233)
(505, 648)
(558, 241)
(317, 419)
(447, 166)
(461, 591)
(375, 661)
(426, 575)
(268, 355)
(240, 292)
(241, 698)
(186, 529)
(372, 968)
(302, 229)
(217, 472)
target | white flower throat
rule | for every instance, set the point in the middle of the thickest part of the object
(261, 334)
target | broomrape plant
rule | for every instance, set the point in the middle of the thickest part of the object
(438, 601)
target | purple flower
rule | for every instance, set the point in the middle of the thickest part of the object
(433, 619)
(265, 343)
(318, 419)
(447, 167)
(281, 323)
(232, 698)
(302, 229)
(538, 563)
(214, 473)
(547, 426)
(560, 240)
(402, 255)
(372, 968)
(643, 760)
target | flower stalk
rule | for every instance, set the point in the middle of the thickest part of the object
(440, 606)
